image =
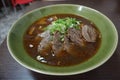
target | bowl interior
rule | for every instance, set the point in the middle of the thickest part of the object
(106, 27)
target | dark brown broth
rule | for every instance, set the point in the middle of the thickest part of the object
(85, 53)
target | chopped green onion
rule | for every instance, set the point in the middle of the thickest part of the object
(62, 25)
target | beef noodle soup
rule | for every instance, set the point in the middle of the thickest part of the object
(62, 40)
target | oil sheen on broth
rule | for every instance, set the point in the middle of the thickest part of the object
(62, 40)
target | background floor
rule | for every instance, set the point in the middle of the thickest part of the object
(6, 21)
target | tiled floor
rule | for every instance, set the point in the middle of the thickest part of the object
(6, 22)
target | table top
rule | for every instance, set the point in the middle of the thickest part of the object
(11, 70)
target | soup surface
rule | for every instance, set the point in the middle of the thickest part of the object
(62, 40)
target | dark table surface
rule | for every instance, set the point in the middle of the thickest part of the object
(11, 70)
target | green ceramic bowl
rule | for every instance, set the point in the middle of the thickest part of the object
(106, 27)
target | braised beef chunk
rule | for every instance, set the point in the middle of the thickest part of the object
(75, 36)
(43, 51)
(67, 43)
(89, 33)
(57, 44)
(44, 46)
(70, 47)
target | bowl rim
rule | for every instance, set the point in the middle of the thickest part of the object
(68, 73)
